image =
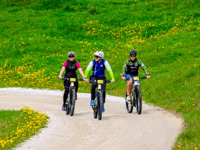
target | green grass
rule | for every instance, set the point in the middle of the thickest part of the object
(18, 126)
(35, 37)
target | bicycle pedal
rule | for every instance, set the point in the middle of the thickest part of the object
(94, 107)
(129, 101)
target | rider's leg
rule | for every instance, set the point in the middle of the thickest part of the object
(65, 96)
(129, 86)
(94, 85)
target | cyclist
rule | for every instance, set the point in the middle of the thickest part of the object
(130, 70)
(98, 65)
(70, 66)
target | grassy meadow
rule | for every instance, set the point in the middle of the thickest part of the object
(18, 126)
(35, 37)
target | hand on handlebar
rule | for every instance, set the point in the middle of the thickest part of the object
(123, 78)
(113, 80)
(86, 80)
(59, 77)
(148, 77)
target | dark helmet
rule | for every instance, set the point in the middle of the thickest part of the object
(71, 54)
(133, 52)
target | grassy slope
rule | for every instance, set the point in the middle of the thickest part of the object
(18, 126)
(36, 36)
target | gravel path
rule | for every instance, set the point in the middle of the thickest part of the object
(154, 129)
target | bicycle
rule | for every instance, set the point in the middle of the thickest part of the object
(98, 102)
(136, 97)
(70, 102)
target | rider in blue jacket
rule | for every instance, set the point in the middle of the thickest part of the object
(98, 65)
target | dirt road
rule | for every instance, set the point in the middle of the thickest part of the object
(154, 129)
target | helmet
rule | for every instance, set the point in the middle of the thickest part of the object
(71, 54)
(99, 53)
(133, 52)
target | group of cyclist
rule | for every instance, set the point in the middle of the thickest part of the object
(98, 66)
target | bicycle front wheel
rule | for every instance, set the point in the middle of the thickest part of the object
(94, 112)
(129, 106)
(138, 100)
(67, 105)
(72, 102)
(100, 104)
(67, 109)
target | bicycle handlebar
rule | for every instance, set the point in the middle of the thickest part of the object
(143, 77)
(69, 79)
(107, 81)
(80, 79)
(140, 78)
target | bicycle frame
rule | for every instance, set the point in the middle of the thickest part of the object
(72, 80)
(136, 81)
(99, 82)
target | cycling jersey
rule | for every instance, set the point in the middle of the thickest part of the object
(99, 69)
(71, 67)
(131, 67)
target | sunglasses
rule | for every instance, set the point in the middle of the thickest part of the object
(71, 56)
(132, 55)
(96, 56)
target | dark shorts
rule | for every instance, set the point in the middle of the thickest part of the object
(128, 76)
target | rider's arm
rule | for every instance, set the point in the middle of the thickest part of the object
(108, 68)
(124, 68)
(81, 72)
(62, 70)
(79, 69)
(144, 68)
(88, 69)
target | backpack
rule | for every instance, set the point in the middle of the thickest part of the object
(94, 63)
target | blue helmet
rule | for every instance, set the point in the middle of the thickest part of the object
(133, 52)
(71, 54)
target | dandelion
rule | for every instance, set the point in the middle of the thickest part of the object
(30, 127)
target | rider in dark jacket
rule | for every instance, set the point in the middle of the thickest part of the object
(70, 66)
(130, 70)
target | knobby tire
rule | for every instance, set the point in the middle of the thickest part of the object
(95, 108)
(129, 106)
(138, 102)
(100, 104)
(67, 105)
(72, 102)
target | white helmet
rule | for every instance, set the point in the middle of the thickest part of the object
(99, 53)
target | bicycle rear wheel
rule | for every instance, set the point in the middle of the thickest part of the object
(138, 100)
(129, 106)
(100, 104)
(72, 101)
